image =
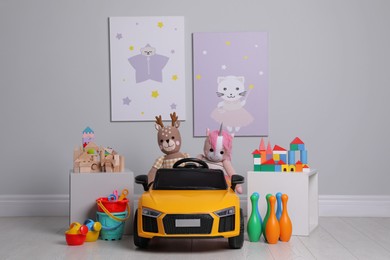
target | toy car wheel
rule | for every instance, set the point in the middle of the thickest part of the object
(140, 242)
(238, 241)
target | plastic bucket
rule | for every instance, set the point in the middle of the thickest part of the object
(112, 206)
(112, 229)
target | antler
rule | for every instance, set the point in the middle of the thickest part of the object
(159, 121)
(174, 118)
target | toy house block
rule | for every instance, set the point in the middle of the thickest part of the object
(297, 145)
(276, 157)
(298, 166)
(285, 168)
(256, 160)
(278, 168)
(306, 168)
(291, 168)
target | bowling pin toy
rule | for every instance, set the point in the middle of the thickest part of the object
(266, 215)
(254, 226)
(279, 205)
(272, 229)
(285, 222)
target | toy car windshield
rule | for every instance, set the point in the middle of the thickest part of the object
(189, 179)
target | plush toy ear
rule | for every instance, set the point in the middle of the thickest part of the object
(241, 79)
(220, 79)
(157, 126)
(177, 124)
(207, 132)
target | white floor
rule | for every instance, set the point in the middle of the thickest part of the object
(335, 238)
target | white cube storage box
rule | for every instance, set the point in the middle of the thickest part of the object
(302, 190)
(85, 188)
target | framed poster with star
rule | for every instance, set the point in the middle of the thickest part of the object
(231, 82)
(147, 67)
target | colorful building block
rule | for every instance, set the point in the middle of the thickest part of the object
(297, 145)
(303, 156)
(279, 159)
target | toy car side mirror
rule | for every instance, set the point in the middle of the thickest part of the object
(236, 179)
(142, 179)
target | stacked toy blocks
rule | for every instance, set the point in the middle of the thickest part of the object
(279, 159)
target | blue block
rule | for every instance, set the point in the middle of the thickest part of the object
(278, 168)
(291, 157)
(283, 157)
(301, 147)
(304, 156)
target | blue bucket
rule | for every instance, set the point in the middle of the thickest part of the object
(111, 229)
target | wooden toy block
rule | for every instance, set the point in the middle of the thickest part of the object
(285, 168)
(303, 156)
(283, 157)
(297, 145)
(279, 150)
(291, 168)
(262, 146)
(298, 166)
(92, 158)
(278, 168)
(263, 156)
(276, 157)
(267, 167)
(291, 157)
(306, 168)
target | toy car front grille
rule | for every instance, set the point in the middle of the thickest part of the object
(149, 224)
(188, 224)
(226, 223)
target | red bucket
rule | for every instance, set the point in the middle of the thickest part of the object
(112, 206)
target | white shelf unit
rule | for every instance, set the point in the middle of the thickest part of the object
(85, 188)
(302, 190)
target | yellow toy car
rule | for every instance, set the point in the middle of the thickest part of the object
(189, 202)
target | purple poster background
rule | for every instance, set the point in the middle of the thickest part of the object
(222, 61)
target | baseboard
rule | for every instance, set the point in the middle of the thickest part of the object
(34, 205)
(329, 205)
(354, 206)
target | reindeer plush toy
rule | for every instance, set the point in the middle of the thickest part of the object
(217, 153)
(169, 141)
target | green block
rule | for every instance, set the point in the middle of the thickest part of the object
(256, 168)
(294, 147)
(267, 168)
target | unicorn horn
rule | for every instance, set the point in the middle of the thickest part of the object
(220, 130)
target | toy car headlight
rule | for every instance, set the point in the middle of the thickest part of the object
(150, 213)
(225, 212)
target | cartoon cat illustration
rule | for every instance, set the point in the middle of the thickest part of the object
(230, 111)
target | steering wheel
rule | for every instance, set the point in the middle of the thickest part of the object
(192, 165)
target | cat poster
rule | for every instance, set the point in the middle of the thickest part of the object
(147, 68)
(231, 82)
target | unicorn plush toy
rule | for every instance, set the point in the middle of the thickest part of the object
(217, 153)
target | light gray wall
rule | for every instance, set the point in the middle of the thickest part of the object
(329, 84)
